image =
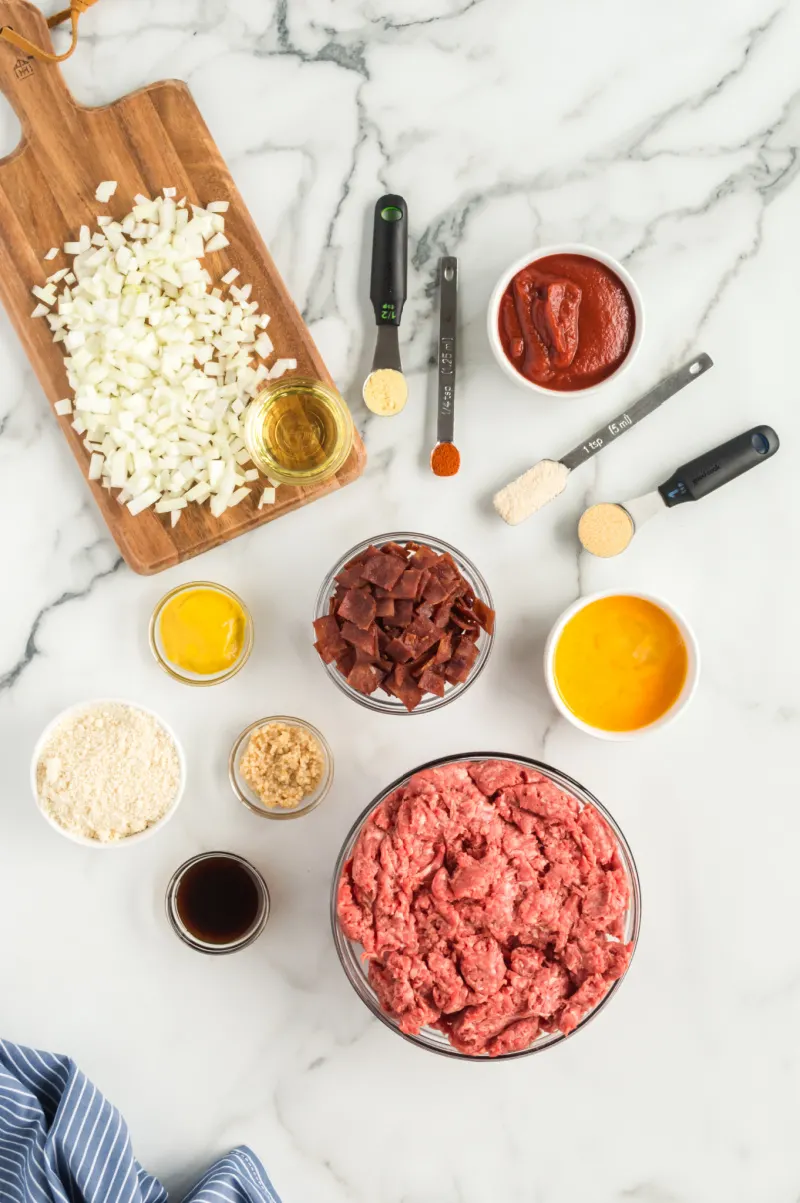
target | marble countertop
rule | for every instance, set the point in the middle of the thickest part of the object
(667, 135)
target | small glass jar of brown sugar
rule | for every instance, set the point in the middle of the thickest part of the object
(217, 903)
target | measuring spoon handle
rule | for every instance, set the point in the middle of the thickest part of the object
(667, 388)
(448, 284)
(719, 466)
(388, 279)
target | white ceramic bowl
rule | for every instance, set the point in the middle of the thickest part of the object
(130, 839)
(563, 248)
(689, 685)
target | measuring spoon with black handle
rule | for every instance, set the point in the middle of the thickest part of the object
(388, 286)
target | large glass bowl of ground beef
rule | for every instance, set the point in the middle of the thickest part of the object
(404, 623)
(485, 906)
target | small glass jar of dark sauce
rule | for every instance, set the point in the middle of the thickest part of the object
(217, 902)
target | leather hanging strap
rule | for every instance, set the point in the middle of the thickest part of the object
(68, 14)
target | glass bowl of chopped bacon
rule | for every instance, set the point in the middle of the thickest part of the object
(404, 623)
(485, 906)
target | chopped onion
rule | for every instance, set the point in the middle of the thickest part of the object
(162, 364)
(217, 243)
(105, 191)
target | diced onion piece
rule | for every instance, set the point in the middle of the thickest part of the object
(267, 496)
(63, 407)
(168, 504)
(96, 466)
(40, 310)
(230, 276)
(51, 254)
(47, 295)
(218, 207)
(281, 366)
(143, 501)
(105, 191)
(217, 243)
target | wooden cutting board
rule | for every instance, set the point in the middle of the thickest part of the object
(152, 139)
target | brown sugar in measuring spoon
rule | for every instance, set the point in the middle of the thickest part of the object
(445, 457)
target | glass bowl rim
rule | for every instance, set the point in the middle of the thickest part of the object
(322, 790)
(584, 796)
(168, 667)
(371, 701)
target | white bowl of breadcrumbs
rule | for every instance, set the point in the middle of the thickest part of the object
(107, 773)
(280, 767)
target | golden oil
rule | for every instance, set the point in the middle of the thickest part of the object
(298, 431)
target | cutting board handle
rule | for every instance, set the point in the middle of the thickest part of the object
(36, 90)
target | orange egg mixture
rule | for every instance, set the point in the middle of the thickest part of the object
(620, 663)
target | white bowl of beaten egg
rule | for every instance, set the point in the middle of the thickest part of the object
(619, 665)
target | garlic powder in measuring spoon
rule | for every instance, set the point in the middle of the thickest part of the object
(535, 488)
(385, 392)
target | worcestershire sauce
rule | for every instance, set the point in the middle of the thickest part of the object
(217, 900)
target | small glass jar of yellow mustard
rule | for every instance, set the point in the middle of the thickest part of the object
(201, 633)
(298, 431)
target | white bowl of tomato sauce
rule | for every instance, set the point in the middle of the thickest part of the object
(565, 319)
(621, 664)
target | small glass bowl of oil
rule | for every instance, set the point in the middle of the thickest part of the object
(298, 431)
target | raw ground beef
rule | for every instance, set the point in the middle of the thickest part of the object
(489, 905)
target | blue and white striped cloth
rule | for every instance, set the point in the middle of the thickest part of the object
(62, 1142)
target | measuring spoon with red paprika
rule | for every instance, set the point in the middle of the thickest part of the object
(445, 457)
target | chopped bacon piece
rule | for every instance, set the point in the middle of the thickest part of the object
(441, 615)
(423, 557)
(431, 681)
(410, 694)
(384, 607)
(358, 607)
(366, 640)
(434, 591)
(420, 634)
(407, 584)
(397, 650)
(384, 570)
(345, 662)
(403, 612)
(418, 666)
(327, 655)
(484, 615)
(327, 630)
(351, 578)
(445, 649)
(365, 678)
